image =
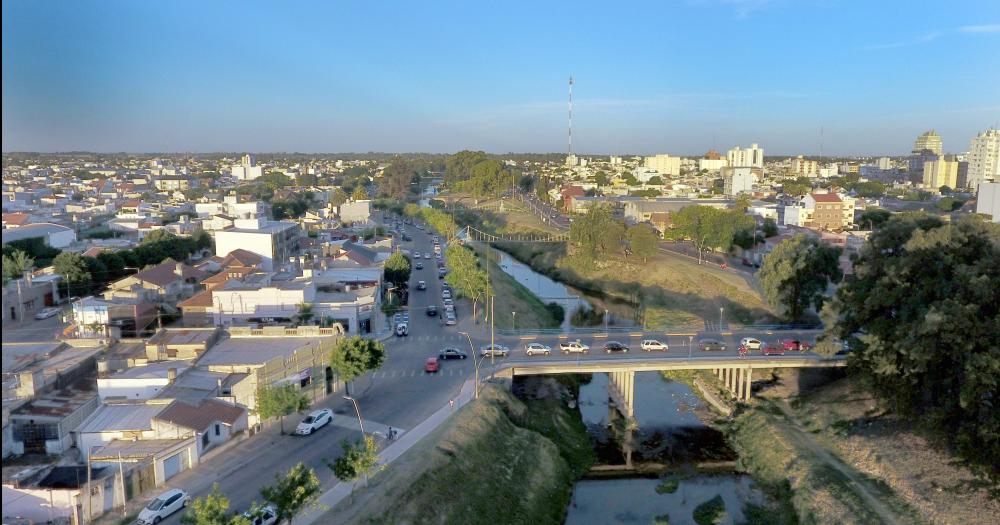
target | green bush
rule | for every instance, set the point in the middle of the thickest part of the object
(710, 512)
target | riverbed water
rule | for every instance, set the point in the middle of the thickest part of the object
(671, 435)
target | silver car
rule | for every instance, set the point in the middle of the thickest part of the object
(537, 348)
(494, 350)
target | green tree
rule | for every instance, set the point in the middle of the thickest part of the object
(338, 196)
(742, 203)
(797, 187)
(873, 218)
(601, 178)
(213, 509)
(797, 273)
(707, 227)
(643, 241)
(360, 193)
(359, 460)
(293, 492)
(398, 180)
(871, 189)
(587, 232)
(921, 314)
(949, 204)
(353, 356)
(465, 276)
(16, 264)
(156, 236)
(769, 228)
(273, 181)
(202, 239)
(655, 180)
(526, 183)
(397, 269)
(305, 313)
(280, 401)
(73, 269)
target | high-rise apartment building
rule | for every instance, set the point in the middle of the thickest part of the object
(666, 165)
(884, 163)
(984, 159)
(930, 140)
(804, 167)
(247, 169)
(738, 180)
(743, 157)
(941, 172)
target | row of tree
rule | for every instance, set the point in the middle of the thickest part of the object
(598, 233)
(474, 172)
(465, 275)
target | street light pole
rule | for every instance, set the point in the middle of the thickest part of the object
(475, 361)
(362, 425)
(605, 321)
(721, 309)
(513, 316)
(690, 340)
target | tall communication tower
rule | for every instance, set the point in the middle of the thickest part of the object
(569, 146)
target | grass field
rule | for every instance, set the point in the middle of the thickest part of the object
(512, 296)
(499, 460)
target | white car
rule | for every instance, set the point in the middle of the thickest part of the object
(751, 343)
(402, 329)
(652, 344)
(446, 294)
(427, 255)
(449, 319)
(494, 350)
(314, 421)
(265, 515)
(537, 348)
(448, 302)
(416, 255)
(574, 347)
(162, 506)
(45, 313)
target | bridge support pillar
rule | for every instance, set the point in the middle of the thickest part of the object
(621, 388)
(746, 387)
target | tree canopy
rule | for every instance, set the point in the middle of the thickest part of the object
(358, 460)
(353, 356)
(796, 274)
(213, 509)
(397, 269)
(643, 241)
(922, 315)
(708, 228)
(280, 401)
(294, 491)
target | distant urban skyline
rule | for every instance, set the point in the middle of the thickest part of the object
(839, 78)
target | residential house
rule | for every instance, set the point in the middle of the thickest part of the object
(167, 282)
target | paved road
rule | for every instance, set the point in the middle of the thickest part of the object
(34, 331)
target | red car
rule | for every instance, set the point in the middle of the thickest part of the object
(795, 345)
(772, 349)
(431, 366)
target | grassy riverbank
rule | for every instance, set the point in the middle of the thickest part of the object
(499, 460)
(512, 296)
(673, 291)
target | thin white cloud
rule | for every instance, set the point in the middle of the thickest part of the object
(988, 28)
(923, 39)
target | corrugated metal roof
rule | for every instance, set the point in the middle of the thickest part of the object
(110, 418)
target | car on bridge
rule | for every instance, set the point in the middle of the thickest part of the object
(575, 347)
(615, 346)
(452, 353)
(537, 348)
(752, 343)
(711, 345)
(652, 344)
(796, 345)
(772, 349)
(431, 365)
(494, 350)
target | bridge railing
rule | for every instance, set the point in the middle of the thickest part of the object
(580, 330)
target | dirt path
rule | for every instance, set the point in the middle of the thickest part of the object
(862, 487)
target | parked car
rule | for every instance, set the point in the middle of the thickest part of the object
(45, 313)
(652, 344)
(772, 349)
(537, 348)
(162, 506)
(431, 365)
(494, 350)
(446, 294)
(265, 515)
(421, 285)
(615, 346)
(449, 308)
(711, 345)
(316, 420)
(449, 318)
(751, 343)
(452, 353)
(795, 344)
(432, 311)
(402, 330)
(574, 347)
(447, 302)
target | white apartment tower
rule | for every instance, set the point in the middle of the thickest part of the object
(984, 158)
(746, 157)
(247, 169)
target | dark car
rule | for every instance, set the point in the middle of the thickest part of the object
(711, 345)
(452, 353)
(432, 311)
(419, 266)
(615, 346)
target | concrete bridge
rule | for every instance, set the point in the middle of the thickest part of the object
(734, 371)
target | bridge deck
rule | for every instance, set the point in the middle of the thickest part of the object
(543, 366)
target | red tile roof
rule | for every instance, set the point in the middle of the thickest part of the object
(826, 197)
(241, 257)
(165, 273)
(16, 219)
(201, 299)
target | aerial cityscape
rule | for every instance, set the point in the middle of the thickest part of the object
(692, 262)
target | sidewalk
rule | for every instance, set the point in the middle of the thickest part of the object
(342, 490)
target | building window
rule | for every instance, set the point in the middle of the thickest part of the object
(218, 431)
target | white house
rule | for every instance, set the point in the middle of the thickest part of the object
(274, 241)
(54, 235)
(140, 382)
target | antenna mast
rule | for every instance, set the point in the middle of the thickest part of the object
(569, 145)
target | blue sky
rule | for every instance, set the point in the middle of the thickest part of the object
(850, 77)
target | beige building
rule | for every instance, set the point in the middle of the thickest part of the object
(829, 211)
(941, 172)
(665, 165)
(802, 167)
(930, 141)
